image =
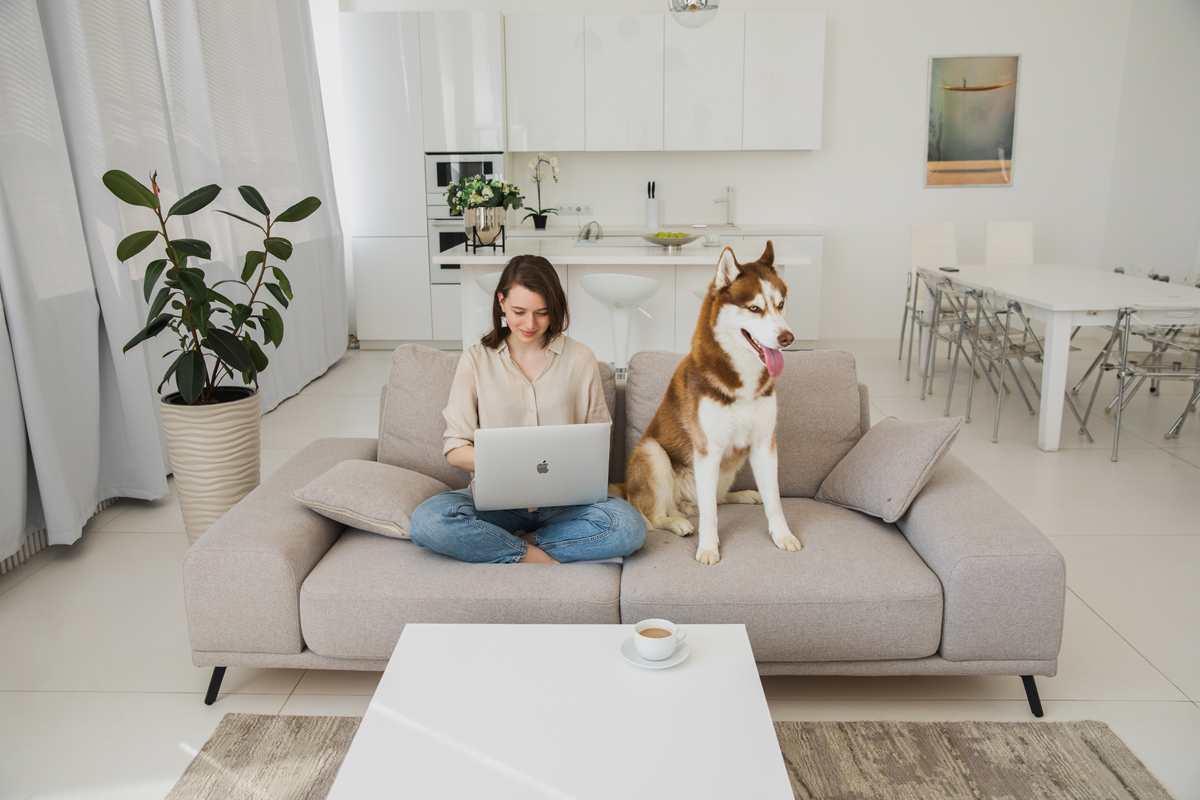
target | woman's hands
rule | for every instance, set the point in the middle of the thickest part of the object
(462, 457)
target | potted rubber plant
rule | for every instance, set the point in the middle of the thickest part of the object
(220, 329)
(482, 203)
(538, 174)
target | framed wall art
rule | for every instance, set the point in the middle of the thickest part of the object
(972, 120)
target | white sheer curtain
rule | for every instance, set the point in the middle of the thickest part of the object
(203, 91)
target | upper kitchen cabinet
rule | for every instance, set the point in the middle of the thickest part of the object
(545, 81)
(382, 85)
(624, 67)
(462, 81)
(703, 81)
(784, 80)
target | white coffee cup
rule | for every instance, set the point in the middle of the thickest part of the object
(712, 238)
(657, 648)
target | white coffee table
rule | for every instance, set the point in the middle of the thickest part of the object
(554, 711)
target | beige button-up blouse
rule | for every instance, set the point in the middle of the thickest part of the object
(490, 391)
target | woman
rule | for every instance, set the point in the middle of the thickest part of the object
(524, 372)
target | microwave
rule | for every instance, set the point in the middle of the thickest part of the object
(443, 169)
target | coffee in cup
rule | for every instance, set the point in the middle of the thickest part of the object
(656, 639)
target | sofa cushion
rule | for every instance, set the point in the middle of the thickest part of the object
(357, 600)
(411, 422)
(819, 412)
(882, 474)
(410, 434)
(857, 591)
(370, 496)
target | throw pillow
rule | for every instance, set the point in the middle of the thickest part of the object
(883, 473)
(370, 496)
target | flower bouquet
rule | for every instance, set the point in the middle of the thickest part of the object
(482, 202)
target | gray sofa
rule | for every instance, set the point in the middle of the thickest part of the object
(961, 584)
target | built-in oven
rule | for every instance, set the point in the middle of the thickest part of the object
(443, 169)
(446, 231)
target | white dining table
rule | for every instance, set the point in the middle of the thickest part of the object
(1066, 296)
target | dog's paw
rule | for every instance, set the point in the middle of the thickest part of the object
(688, 509)
(748, 497)
(786, 541)
(680, 526)
(708, 556)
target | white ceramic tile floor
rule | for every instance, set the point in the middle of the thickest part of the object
(97, 668)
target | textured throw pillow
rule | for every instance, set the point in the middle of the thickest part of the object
(370, 496)
(883, 473)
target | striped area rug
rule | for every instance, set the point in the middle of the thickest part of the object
(261, 756)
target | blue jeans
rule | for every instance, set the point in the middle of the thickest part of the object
(449, 524)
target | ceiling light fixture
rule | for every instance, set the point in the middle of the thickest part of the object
(693, 13)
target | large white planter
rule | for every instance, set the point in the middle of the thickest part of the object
(214, 453)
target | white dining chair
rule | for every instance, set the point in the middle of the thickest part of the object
(930, 244)
(1008, 243)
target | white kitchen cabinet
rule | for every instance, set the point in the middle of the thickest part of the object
(391, 288)
(462, 81)
(803, 282)
(381, 80)
(544, 81)
(624, 79)
(703, 84)
(445, 299)
(784, 81)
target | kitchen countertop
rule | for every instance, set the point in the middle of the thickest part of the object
(564, 253)
(571, 230)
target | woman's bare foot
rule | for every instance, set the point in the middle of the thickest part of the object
(536, 555)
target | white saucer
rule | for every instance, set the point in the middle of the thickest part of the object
(629, 651)
(713, 244)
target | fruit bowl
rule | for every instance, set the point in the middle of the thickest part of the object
(670, 242)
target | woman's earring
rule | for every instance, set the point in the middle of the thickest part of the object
(504, 322)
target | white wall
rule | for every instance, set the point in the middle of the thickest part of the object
(866, 183)
(1154, 205)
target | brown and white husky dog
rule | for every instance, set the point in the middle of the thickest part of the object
(719, 408)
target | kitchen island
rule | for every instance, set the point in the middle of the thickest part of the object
(685, 275)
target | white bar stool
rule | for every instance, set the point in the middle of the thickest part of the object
(621, 294)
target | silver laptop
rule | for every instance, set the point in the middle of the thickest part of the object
(542, 466)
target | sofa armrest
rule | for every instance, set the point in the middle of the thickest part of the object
(1004, 583)
(242, 578)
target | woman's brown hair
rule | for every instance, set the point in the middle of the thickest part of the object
(537, 275)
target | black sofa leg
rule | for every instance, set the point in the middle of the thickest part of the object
(218, 675)
(1031, 692)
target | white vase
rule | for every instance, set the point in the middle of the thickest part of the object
(486, 222)
(215, 452)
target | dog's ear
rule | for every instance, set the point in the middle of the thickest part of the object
(727, 269)
(768, 256)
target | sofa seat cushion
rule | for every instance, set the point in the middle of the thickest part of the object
(856, 592)
(357, 600)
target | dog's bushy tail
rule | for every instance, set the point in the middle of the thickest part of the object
(619, 490)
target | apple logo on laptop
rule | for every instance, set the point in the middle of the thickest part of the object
(542, 468)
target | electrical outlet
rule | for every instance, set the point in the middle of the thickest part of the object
(580, 209)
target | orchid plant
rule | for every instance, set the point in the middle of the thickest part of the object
(480, 192)
(537, 174)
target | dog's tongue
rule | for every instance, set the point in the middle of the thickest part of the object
(774, 361)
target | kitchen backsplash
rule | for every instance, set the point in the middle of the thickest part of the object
(614, 184)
